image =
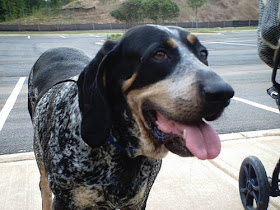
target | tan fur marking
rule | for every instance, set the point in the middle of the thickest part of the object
(127, 84)
(85, 197)
(46, 192)
(165, 96)
(191, 38)
(172, 43)
(158, 94)
(137, 198)
(104, 79)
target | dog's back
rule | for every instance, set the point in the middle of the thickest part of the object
(52, 67)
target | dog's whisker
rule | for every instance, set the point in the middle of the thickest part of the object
(185, 134)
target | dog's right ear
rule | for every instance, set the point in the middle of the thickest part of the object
(93, 101)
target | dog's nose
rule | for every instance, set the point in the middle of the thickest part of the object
(217, 92)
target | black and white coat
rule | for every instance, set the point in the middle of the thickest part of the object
(96, 141)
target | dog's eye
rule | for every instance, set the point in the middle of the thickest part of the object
(160, 55)
(203, 55)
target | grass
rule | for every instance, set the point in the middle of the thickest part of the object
(61, 32)
(114, 36)
(218, 30)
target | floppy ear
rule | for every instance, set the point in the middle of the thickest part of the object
(93, 98)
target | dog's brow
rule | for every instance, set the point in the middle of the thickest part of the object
(191, 38)
(171, 42)
(104, 79)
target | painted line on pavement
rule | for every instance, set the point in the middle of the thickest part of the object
(261, 106)
(232, 43)
(92, 35)
(238, 40)
(101, 42)
(4, 113)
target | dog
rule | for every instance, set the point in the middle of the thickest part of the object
(102, 126)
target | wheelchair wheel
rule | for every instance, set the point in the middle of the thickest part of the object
(253, 184)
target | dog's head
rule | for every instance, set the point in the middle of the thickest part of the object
(152, 90)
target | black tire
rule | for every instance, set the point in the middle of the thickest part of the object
(253, 184)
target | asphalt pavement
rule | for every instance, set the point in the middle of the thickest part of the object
(231, 54)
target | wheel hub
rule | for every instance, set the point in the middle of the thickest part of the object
(249, 186)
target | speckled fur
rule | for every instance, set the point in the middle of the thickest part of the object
(81, 177)
(76, 103)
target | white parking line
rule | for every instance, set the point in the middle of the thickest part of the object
(93, 35)
(100, 43)
(261, 106)
(4, 113)
(232, 43)
(62, 36)
(233, 39)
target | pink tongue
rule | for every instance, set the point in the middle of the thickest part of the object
(201, 140)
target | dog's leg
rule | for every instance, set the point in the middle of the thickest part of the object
(59, 204)
(46, 192)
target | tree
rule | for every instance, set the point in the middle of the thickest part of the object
(12, 9)
(160, 10)
(130, 11)
(195, 5)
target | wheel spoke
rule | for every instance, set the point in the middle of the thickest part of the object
(249, 170)
(249, 199)
(255, 196)
(245, 169)
(255, 186)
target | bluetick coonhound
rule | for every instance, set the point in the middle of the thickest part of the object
(102, 126)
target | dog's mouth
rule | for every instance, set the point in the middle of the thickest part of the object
(197, 139)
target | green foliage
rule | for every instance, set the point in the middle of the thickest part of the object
(129, 12)
(114, 36)
(160, 10)
(58, 3)
(195, 4)
(13, 9)
(132, 11)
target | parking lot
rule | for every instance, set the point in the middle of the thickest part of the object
(232, 54)
(196, 184)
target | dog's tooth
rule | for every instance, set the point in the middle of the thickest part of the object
(185, 134)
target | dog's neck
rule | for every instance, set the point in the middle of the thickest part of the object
(115, 144)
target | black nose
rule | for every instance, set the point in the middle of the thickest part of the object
(218, 92)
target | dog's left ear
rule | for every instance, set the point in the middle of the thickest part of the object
(93, 97)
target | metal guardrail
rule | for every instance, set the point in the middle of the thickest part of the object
(111, 26)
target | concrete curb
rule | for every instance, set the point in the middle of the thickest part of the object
(249, 134)
(17, 157)
(224, 137)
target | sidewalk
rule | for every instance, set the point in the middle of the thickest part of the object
(182, 184)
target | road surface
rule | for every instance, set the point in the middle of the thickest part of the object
(232, 54)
